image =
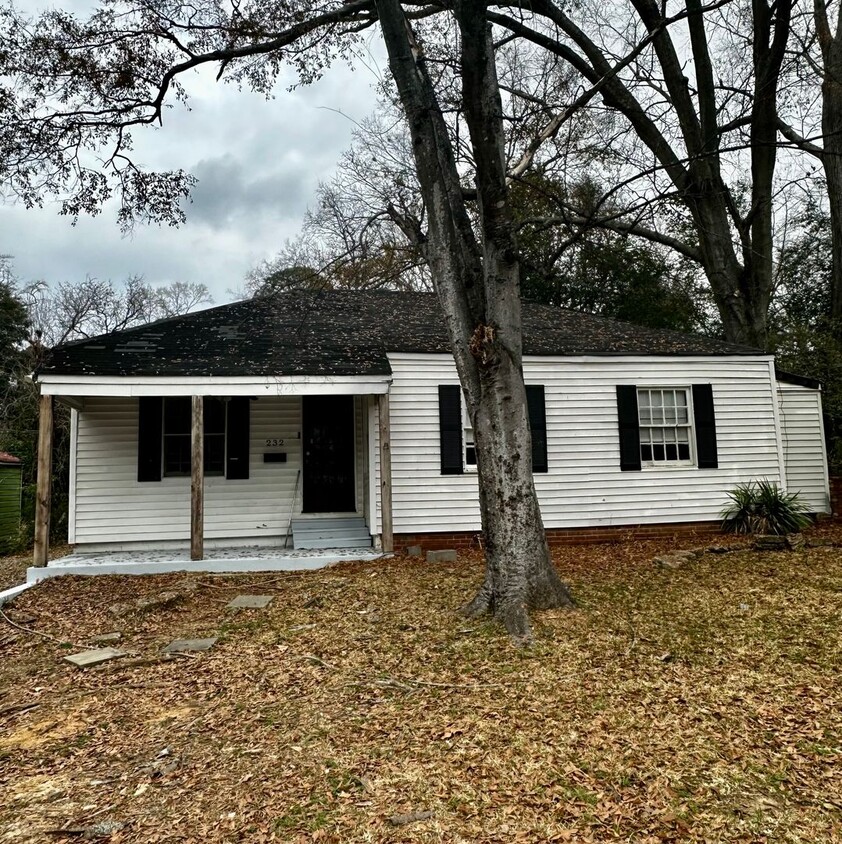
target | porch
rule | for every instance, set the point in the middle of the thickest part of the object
(241, 474)
(252, 558)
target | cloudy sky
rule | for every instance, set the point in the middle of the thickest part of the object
(258, 163)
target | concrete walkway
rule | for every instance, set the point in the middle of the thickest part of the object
(240, 559)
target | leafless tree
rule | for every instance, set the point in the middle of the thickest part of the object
(74, 311)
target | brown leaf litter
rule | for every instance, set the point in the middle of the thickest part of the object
(700, 703)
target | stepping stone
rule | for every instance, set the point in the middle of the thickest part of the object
(250, 602)
(443, 556)
(181, 645)
(107, 638)
(84, 659)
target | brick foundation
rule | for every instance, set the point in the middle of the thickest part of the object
(465, 540)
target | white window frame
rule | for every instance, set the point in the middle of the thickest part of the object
(688, 426)
(467, 433)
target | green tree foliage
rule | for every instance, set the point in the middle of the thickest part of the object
(806, 340)
(14, 324)
(598, 271)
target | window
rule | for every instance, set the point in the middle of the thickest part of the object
(163, 437)
(662, 426)
(664, 420)
(458, 450)
(470, 455)
(177, 445)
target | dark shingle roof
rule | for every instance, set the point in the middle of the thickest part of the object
(343, 333)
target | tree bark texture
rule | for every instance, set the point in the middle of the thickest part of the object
(478, 284)
(197, 479)
(830, 42)
(44, 482)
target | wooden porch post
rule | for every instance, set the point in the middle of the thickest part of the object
(387, 539)
(44, 483)
(197, 481)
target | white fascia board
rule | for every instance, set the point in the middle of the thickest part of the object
(602, 359)
(201, 385)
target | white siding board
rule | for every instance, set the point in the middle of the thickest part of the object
(584, 485)
(802, 440)
(111, 506)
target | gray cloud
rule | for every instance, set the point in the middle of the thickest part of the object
(231, 190)
(258, 163)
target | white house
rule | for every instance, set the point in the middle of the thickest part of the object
(304, 397)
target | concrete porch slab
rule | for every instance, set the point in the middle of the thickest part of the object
(217, 560)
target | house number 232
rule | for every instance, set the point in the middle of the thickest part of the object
(273, 443)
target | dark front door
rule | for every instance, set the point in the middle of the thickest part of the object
(328, 440)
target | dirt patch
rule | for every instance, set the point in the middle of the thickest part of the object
(31, 734)
(695, 704)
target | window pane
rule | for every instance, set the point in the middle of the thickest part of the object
(664, 425)
(177, 415)
(470, 455)
(177, 454)
(214, 416)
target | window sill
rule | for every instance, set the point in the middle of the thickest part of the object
(668, 464)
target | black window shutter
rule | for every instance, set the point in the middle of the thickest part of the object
(705, 424)
(238, 435)
(629, 428)
(450, 429)
(536, 407)
(150, 421)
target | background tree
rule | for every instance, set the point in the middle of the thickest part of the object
(815, 67)
(42, 316)
(686, 138)
(14, 324)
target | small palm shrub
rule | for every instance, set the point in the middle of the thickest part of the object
(762, 507)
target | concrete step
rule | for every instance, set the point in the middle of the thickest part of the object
(316, 544)
(330, 532)
(333, 533)
(308, 522)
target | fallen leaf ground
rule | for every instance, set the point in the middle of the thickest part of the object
(13, 568)
(701, 704)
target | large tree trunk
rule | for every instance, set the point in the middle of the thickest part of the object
(478, 284)
(519, 573)
(831, 47)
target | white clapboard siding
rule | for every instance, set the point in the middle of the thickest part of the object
(111, 506)
(584, 485)
(802, 438)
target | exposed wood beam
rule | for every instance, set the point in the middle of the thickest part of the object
(386, 535)
(44, 486)
(197, 481)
